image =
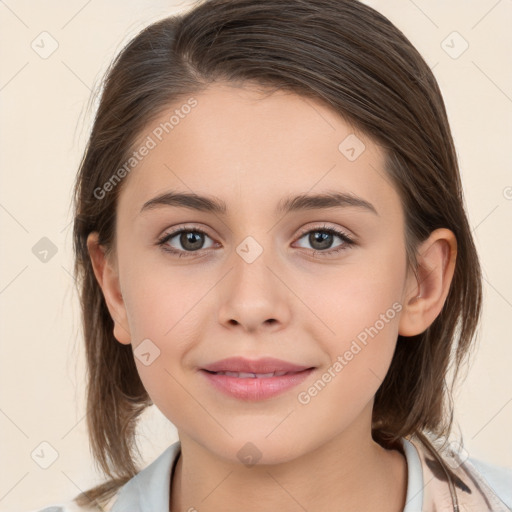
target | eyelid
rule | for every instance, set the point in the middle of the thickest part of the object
(175, 231)
(185, 227)
(326, 227)
(348, 241)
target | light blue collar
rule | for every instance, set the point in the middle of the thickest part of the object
(414, 496)
(149, 490)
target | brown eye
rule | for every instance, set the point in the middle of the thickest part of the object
(191, 240)
(322, 239)
(184, 241)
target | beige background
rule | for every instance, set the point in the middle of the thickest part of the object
(43, 134)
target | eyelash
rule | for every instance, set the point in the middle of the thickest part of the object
(347, 241)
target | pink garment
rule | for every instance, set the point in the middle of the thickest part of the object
(472, 491)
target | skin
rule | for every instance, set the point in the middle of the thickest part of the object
(251, 151)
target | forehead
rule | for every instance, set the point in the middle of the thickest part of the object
(240, 143)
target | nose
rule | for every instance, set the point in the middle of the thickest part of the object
(253, 296)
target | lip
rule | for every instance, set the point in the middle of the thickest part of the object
(263, 365)
(255, 388)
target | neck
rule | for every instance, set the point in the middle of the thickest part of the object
(345, 474)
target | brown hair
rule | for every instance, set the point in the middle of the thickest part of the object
(357, 62)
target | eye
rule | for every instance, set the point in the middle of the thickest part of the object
(190, 240)
(321, 239)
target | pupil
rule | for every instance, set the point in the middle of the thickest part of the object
(324, 238)
(191, 240)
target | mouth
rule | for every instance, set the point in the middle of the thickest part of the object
(249, 375)
(260, 368)
(250, 386)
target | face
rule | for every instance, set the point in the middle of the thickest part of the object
(319, 284)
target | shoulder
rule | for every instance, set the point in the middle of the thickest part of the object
(71, 506)
(68, 506)
(478, 485)
(497, 478)
(151, 485)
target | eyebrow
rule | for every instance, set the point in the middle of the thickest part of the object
(290, 204)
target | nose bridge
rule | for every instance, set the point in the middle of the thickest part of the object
(251, 262)
(253, 296)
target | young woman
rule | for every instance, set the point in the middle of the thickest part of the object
(272, 248)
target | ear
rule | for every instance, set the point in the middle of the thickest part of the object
(425, 295)
(107, 276)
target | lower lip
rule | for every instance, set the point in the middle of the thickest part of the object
(254, 389)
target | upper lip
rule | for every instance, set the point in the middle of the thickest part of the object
(264, 365)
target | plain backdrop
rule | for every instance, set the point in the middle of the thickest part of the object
(53, 54)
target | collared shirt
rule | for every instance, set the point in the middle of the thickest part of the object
(478, 487)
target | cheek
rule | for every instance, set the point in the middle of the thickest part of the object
(361, 310)
(355, 297)
(162, 301)
(364, 318)
(362, 349)
(165, 315)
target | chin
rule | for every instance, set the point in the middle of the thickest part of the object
(255, 450)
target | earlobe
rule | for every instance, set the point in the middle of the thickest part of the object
(426, 292)
(108, 279)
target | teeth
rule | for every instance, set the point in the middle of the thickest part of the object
(233, 374)
(242, 375)
(246, 375)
